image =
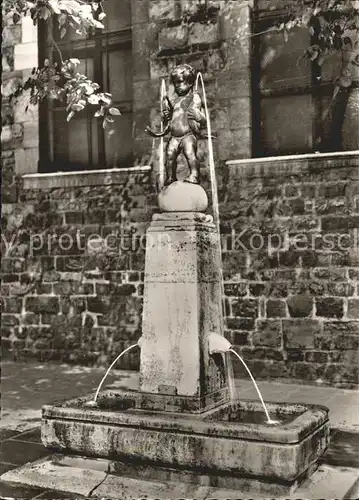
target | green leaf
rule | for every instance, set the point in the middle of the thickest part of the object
(70, 115)
(114, 111)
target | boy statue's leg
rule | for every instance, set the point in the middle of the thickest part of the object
(190, 152)
(172, 152)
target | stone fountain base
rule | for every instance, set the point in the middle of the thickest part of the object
(222, 441)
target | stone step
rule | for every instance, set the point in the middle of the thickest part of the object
(68, 475)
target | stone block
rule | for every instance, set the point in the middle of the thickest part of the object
(31, 134)
(268, 333)
(240, 114)
(42, 304)
(247, 308)
(276, 308)
(246, 324)
(329, 307)
(173, 38)
(25, 56)
(139, 11)
(12, 136)
(162, 9)
(353, 308)
(231, 85)
(235, 21)
(21, 114)
(300, 306)
(26, 161)
(300, 333)
(201, 33)
(234, 144)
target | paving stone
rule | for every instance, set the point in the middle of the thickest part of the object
(19, 452)
(54, 495)
(4, 467)
(7, 434)
(31, 436)
(343, 449)
(17, 492)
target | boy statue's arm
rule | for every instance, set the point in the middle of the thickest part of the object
(167, 110)
(195, 110)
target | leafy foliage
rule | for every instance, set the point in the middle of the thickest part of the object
(62, 81)
(333, 26)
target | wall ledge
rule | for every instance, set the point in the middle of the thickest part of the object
(82, 178)
(293, 164)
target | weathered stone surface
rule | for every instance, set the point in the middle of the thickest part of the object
(203, 33)
(183, 197)
(268, 333)
(299, 333)
(186, 442)
(276, 308)
(182, 306)
(329, 307)
(300, 306)
(173, 38)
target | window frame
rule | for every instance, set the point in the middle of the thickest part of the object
(318, 89)
(97, 44)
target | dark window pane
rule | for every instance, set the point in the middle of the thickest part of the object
(75, 142)
(119, 145)
(78, 141)
(60, 139)
(351, 122)
(118, 14)
(331, 67)
(282, 65)
(118, 67)
(86, 67)
(286, 124)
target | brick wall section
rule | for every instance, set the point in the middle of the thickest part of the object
(293, 312)
(64, 298)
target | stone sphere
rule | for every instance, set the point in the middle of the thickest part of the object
(183, 197)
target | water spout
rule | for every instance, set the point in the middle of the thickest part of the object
(269, 420)
(94, 401)
(218, 343)
(212, 170)
(161, 155)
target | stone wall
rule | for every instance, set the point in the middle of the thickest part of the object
(291, 266)
(20, 130)
(290, 231)
(72, 267)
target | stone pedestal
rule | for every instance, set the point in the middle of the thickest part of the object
(182, 306)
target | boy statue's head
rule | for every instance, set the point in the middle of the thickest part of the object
(183, 78)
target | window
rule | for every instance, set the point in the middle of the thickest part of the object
(106, 57)
(292, 97)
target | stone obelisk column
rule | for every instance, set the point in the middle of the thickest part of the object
(182, 306)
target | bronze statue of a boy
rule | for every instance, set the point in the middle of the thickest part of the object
(183, 120)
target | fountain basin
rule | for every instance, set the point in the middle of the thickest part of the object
(218, 440)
